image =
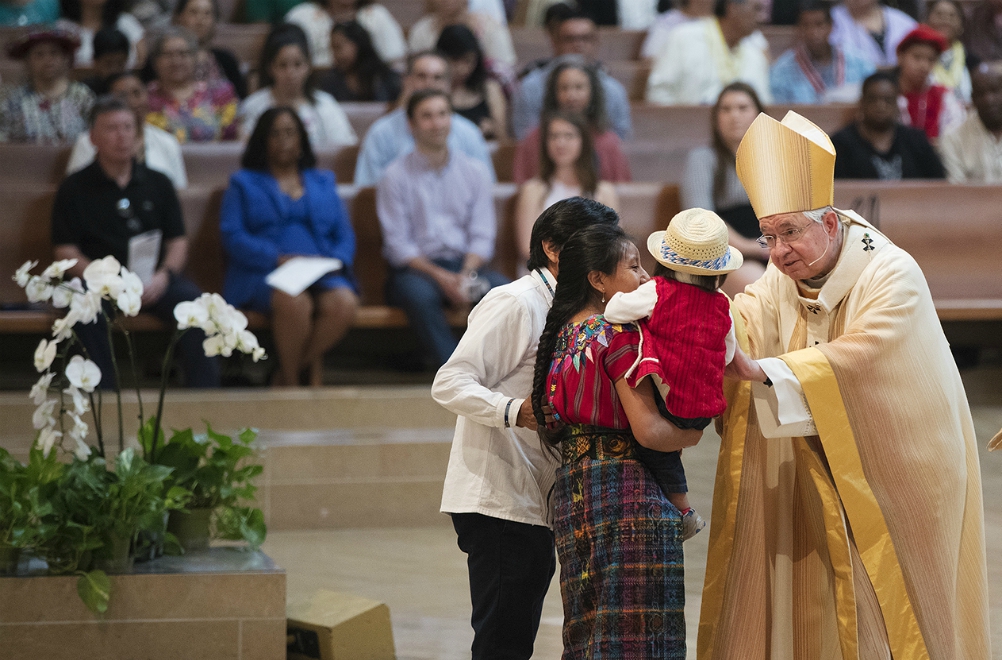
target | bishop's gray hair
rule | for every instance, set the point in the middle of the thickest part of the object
(817, 215)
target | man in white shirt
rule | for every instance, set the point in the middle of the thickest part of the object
(155, 148)
(500, 477)
(972, 153)
(703, 56)
(390, 136)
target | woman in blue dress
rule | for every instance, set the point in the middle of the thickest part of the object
(279, 206)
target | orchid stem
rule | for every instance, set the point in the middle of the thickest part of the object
(163, 391)
(135, 377)
(118, 383)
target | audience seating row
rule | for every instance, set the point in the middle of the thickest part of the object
(957, 255)
(662, 138)
(246, 41)
(25, 227)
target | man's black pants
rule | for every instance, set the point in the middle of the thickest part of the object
(511, 565)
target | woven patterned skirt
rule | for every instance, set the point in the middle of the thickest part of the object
(620, 546)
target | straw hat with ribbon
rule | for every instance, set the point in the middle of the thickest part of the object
(695, 243)
(68, 41)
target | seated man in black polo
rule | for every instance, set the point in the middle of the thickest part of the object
(102, 209)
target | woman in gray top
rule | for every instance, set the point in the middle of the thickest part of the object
(711, 182)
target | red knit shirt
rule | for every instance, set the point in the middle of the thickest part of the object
(684, 345)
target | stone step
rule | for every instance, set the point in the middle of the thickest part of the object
(229, 409)
(342, 478)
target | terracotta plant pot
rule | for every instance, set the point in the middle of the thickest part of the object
(191, 528)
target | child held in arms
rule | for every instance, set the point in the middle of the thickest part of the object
(687, 338)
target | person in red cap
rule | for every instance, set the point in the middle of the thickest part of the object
(933, 109)
(49, 107)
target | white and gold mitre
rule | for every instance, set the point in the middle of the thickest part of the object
(786, 166)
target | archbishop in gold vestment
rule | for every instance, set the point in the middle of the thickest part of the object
(866, 540)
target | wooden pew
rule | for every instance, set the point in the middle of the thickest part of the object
(245, 41)
(952, 231)
(25, 227)
(614, 44)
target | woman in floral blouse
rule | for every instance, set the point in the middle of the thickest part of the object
(49, 108)
(189, 109)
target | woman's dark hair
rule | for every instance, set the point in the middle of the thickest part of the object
(182, 4)
(110, 40)
(706, 282)
(586, 166)
(256, 154)
(595, 112)
(369, 67)
(725, 157)
(455, 42)
(282, 35)
(557, 223)
(110, 81)
(598, 247)
(73, 10)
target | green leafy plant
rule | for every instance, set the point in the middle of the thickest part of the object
(17, 528)
(216, 472)
(89, 510)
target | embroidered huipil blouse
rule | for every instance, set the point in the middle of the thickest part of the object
(589, 358)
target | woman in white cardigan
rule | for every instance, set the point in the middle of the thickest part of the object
(285, 78)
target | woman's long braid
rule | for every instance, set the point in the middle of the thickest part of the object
(594, 248)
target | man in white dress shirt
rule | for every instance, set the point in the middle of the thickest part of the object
(500, 477)
(972, 152)
(705, 55)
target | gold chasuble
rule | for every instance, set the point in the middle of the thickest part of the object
(865, 541)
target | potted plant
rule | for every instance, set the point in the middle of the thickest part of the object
(214, 469)
(88, 514)
(17, 520)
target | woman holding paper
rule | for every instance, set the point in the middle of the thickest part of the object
(279, 206)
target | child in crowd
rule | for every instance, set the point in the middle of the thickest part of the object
(687, 337)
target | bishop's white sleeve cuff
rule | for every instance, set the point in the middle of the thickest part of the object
(632, 306)
(782, 408)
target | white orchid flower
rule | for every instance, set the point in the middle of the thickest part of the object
(83, 374)
(21, 276)
(42, 416)
(47, 438)
(129, 303)
(57, 269)
(216, 345)
(258, 354)
(80, 403)
(62, 328)
(40, 390)
(131, 282)
(86, 306)
(38, 290)
(191, 314)
(82, 451)
(62, 297)
(103, 277)
(45, 354)
(80, 428)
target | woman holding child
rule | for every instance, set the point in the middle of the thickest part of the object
(618, 537)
